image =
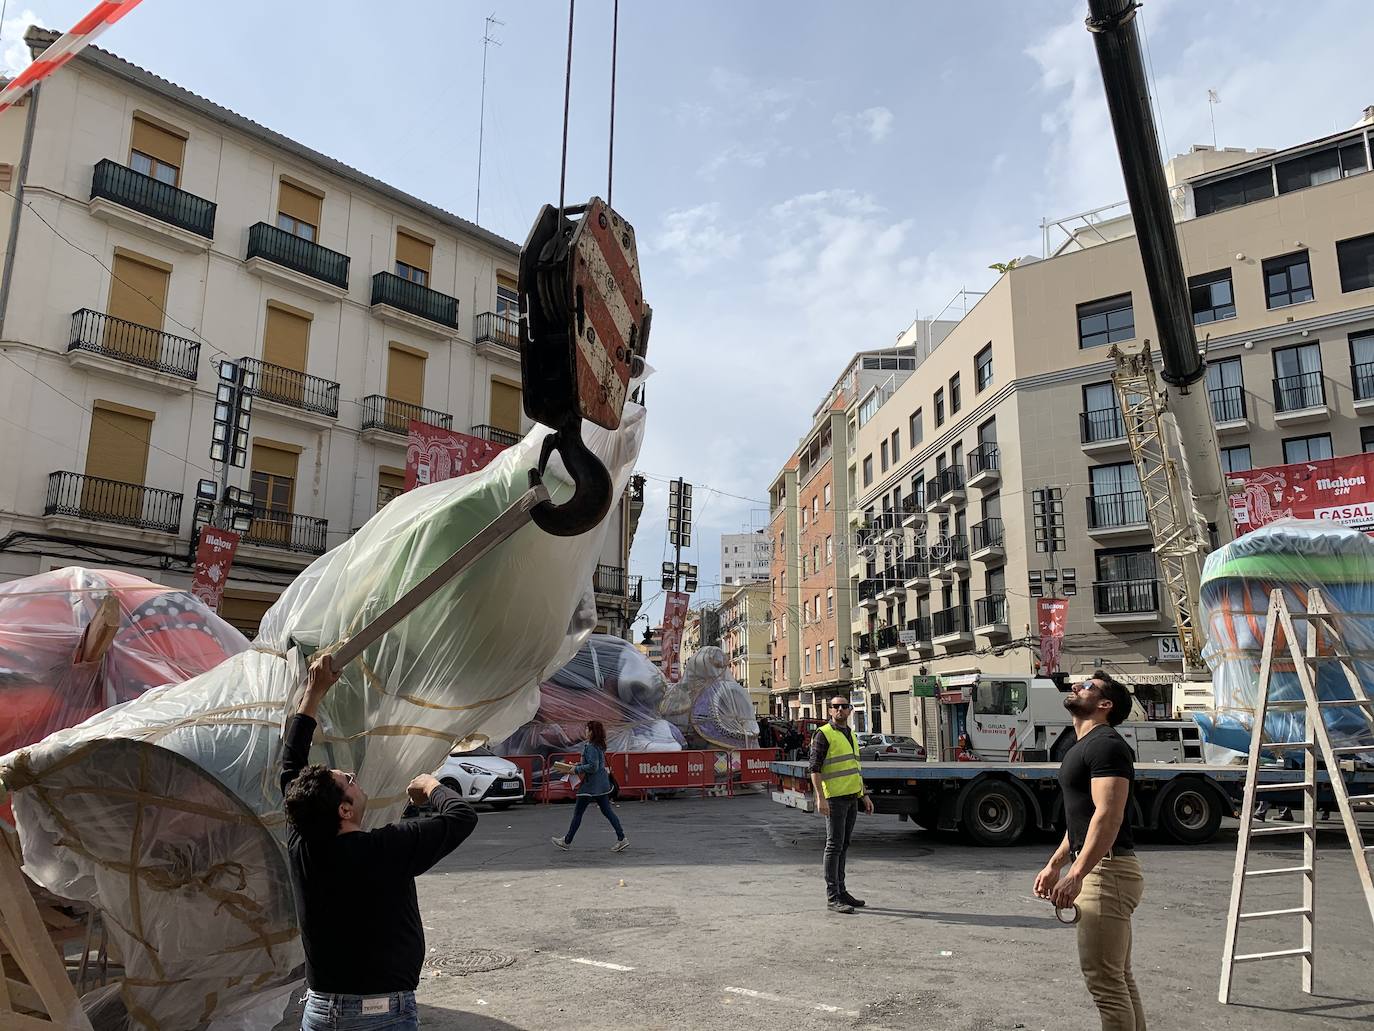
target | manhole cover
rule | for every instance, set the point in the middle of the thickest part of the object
(634, 916)
(468, 961)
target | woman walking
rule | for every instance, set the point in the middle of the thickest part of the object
(594, 787)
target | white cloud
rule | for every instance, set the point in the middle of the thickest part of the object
(743, 155)
(695, 239)
(874, 122)
(14, 52)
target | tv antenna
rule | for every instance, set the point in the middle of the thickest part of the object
(488, 41)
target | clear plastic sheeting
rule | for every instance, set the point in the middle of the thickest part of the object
(467, 662)
(1293, 556)
(708, 704)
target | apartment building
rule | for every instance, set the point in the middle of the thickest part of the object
(745, 558)
(156, 234)
(701, 627)
(1279, 249)
(745, 623)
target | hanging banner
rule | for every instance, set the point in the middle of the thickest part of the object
(1340, 490)
(65, 47)
(434, 453)
(674, 616)
(1052, 614)
(214, 556)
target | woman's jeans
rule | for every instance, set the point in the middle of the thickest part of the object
(604, 801)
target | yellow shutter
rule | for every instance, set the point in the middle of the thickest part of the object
(505, 406)
(244, 610)
(300, 204)
(118, 445)
(286, 338)
(138, 290)
(504, 281)
(157, 142)
(405, 376)
(413, 251)
(390, 483)
(274, 461)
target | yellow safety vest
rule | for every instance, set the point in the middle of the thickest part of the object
(841, 773)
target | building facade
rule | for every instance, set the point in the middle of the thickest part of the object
(1017, 399)
(745, 558)
(745, 623)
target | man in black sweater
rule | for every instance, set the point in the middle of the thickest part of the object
(355, 889)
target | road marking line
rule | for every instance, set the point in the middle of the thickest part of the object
(597, 963)
(770, 997)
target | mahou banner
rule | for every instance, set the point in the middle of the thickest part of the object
(434, 453)
(1340, 490)
(674, 617)
(214, 555)
(1052, 614)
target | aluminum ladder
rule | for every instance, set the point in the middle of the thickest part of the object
(1322, 628)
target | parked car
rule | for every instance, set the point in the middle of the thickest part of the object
(880, 747)
(483, 776)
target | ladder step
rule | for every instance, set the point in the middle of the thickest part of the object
(1333, 657)
(1299, 911)
(1290, 828)
(1251, 957)
(1276, 746)
(1281, 870)
(1356, 799)
(1352, 749)
(1338, 703)
(1296, 785)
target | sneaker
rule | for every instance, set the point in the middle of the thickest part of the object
(851, 900)
(561, 843)
(621, 845)
(839, 906)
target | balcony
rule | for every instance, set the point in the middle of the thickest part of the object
(287, 531)
(949, 628)
(868, 647)
(915, 573)
(989, 541)
(868, 593)
(950, 554)
(1362, 382)
(914, 510)
(612, 582)
(889, 642)
(498, 336)
(920, 628)
(292, 389)
(387, 415)
(889, 583)
(1126, 601)
(150, 207)
(984, 466)
(1229, 409)
(1102, 429)
(949, 486)
(1299, 399)
(990, 616)
(74, 496)
(1112, 515)
(417, 307)
(888, 523)
(496, 435)
(296, 262)
(148, 354)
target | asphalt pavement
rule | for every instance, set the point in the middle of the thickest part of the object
(715, 918)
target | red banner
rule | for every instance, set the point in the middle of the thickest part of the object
(1053, 614)
(434, 453)
(674, 616)
(753, 764)
(669, 770)
(214, 555)
(1340, 490)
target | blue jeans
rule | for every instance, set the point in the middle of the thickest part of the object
(345, 1012)
(604, 801)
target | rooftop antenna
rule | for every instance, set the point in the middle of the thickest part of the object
(488, 40)
(1212, 101)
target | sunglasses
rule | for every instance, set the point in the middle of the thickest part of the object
(842, 705)
(350, 779)
(1086, 685)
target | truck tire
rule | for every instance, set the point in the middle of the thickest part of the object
(1189, 812)
(994, 813)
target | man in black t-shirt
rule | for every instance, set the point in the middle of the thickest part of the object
(355, 889)
(1104, 878)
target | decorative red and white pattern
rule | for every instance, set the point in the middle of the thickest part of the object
(65, 47)
(606, 274)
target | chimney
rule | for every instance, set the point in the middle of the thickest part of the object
(1368, 118)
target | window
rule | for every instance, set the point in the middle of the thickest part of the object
(413, 258)
(1226, 390)
(805, 513)
(1307, 449)
(1234, 191)
(117, 449)
(806, 613)
(803, 566)
(815, 508)
(298, 210)
(1211, 297)
(816, 607)
(1367, 439)
(982, 369)
(830, 653)
(818, 658)
(868, 470)
(1128, 564)
(917, 431)
(391, 483)
(870, 406)
(1105, 321)
(157, 151)
(138, 294)
(1287, 280)
(882, 452)
(1298, 378)
(830, 601)
(1235, 459)
(827, 497)
(816, 557)
(940, 407)
(1356, 260)
(954, 398)
(1120, 478)
(806, 656)
(918, 491)
(1362, 365)
(507, 296)
(829, 552)
(1000, 698)
(896, 446)
(274, 487)
(1324, 166)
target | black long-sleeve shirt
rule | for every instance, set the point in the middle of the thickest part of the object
(355, 892)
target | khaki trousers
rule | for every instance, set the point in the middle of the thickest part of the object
(1109, 897)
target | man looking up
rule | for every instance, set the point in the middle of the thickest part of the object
(839, 788)
(355, 889)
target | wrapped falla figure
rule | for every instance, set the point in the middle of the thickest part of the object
(709, 706)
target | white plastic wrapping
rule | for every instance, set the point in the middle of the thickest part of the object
(710, 705)
(466, 662)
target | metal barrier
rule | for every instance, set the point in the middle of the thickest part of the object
(640, 773)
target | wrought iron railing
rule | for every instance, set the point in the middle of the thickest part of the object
(985, 458)
(386, 413)
(988, 534)
(295, 389)
(1362, 379)
(990, 610)
(889, 637)
(150, 348)
(953, 548)
(406, 296)
(915, 502)
(913, 569)
(920, 626)
(498, 329)
(1110, 511)
(1294, 393)
(287, 531)
(950, 621)
(1228, 403)
(886, 521)
(496, 435)
(610, 580)
(867, 646)
(298, 254)
(636, 589)
(951, 481)
(868, 589)
(154, 198)
(1101, 424)
(1126, 597)
(111, 501)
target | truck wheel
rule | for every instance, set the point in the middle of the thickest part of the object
(1189, 813)
(994, 813)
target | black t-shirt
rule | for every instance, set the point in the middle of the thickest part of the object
(355, 893)
(1102, 752)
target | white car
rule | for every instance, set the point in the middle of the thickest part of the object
(482, 776)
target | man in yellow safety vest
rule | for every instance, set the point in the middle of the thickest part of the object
(839, 786)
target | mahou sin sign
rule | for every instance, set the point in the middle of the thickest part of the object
(1340, 490)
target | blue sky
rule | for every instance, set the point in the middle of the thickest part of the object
(807, 178)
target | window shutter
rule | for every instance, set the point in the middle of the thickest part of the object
(138, 291)
(159, 143)
(118, 445)
(274, 461)
(413, 251)
(405, 376)
(285, 339)
(300, 204)
(505, 406)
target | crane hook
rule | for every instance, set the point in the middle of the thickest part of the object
(591, 498)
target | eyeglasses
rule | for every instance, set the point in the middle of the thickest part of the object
(350, 779)
(841, 705)
(1085, 685)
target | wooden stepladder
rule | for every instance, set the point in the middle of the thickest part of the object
(1325, 644)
